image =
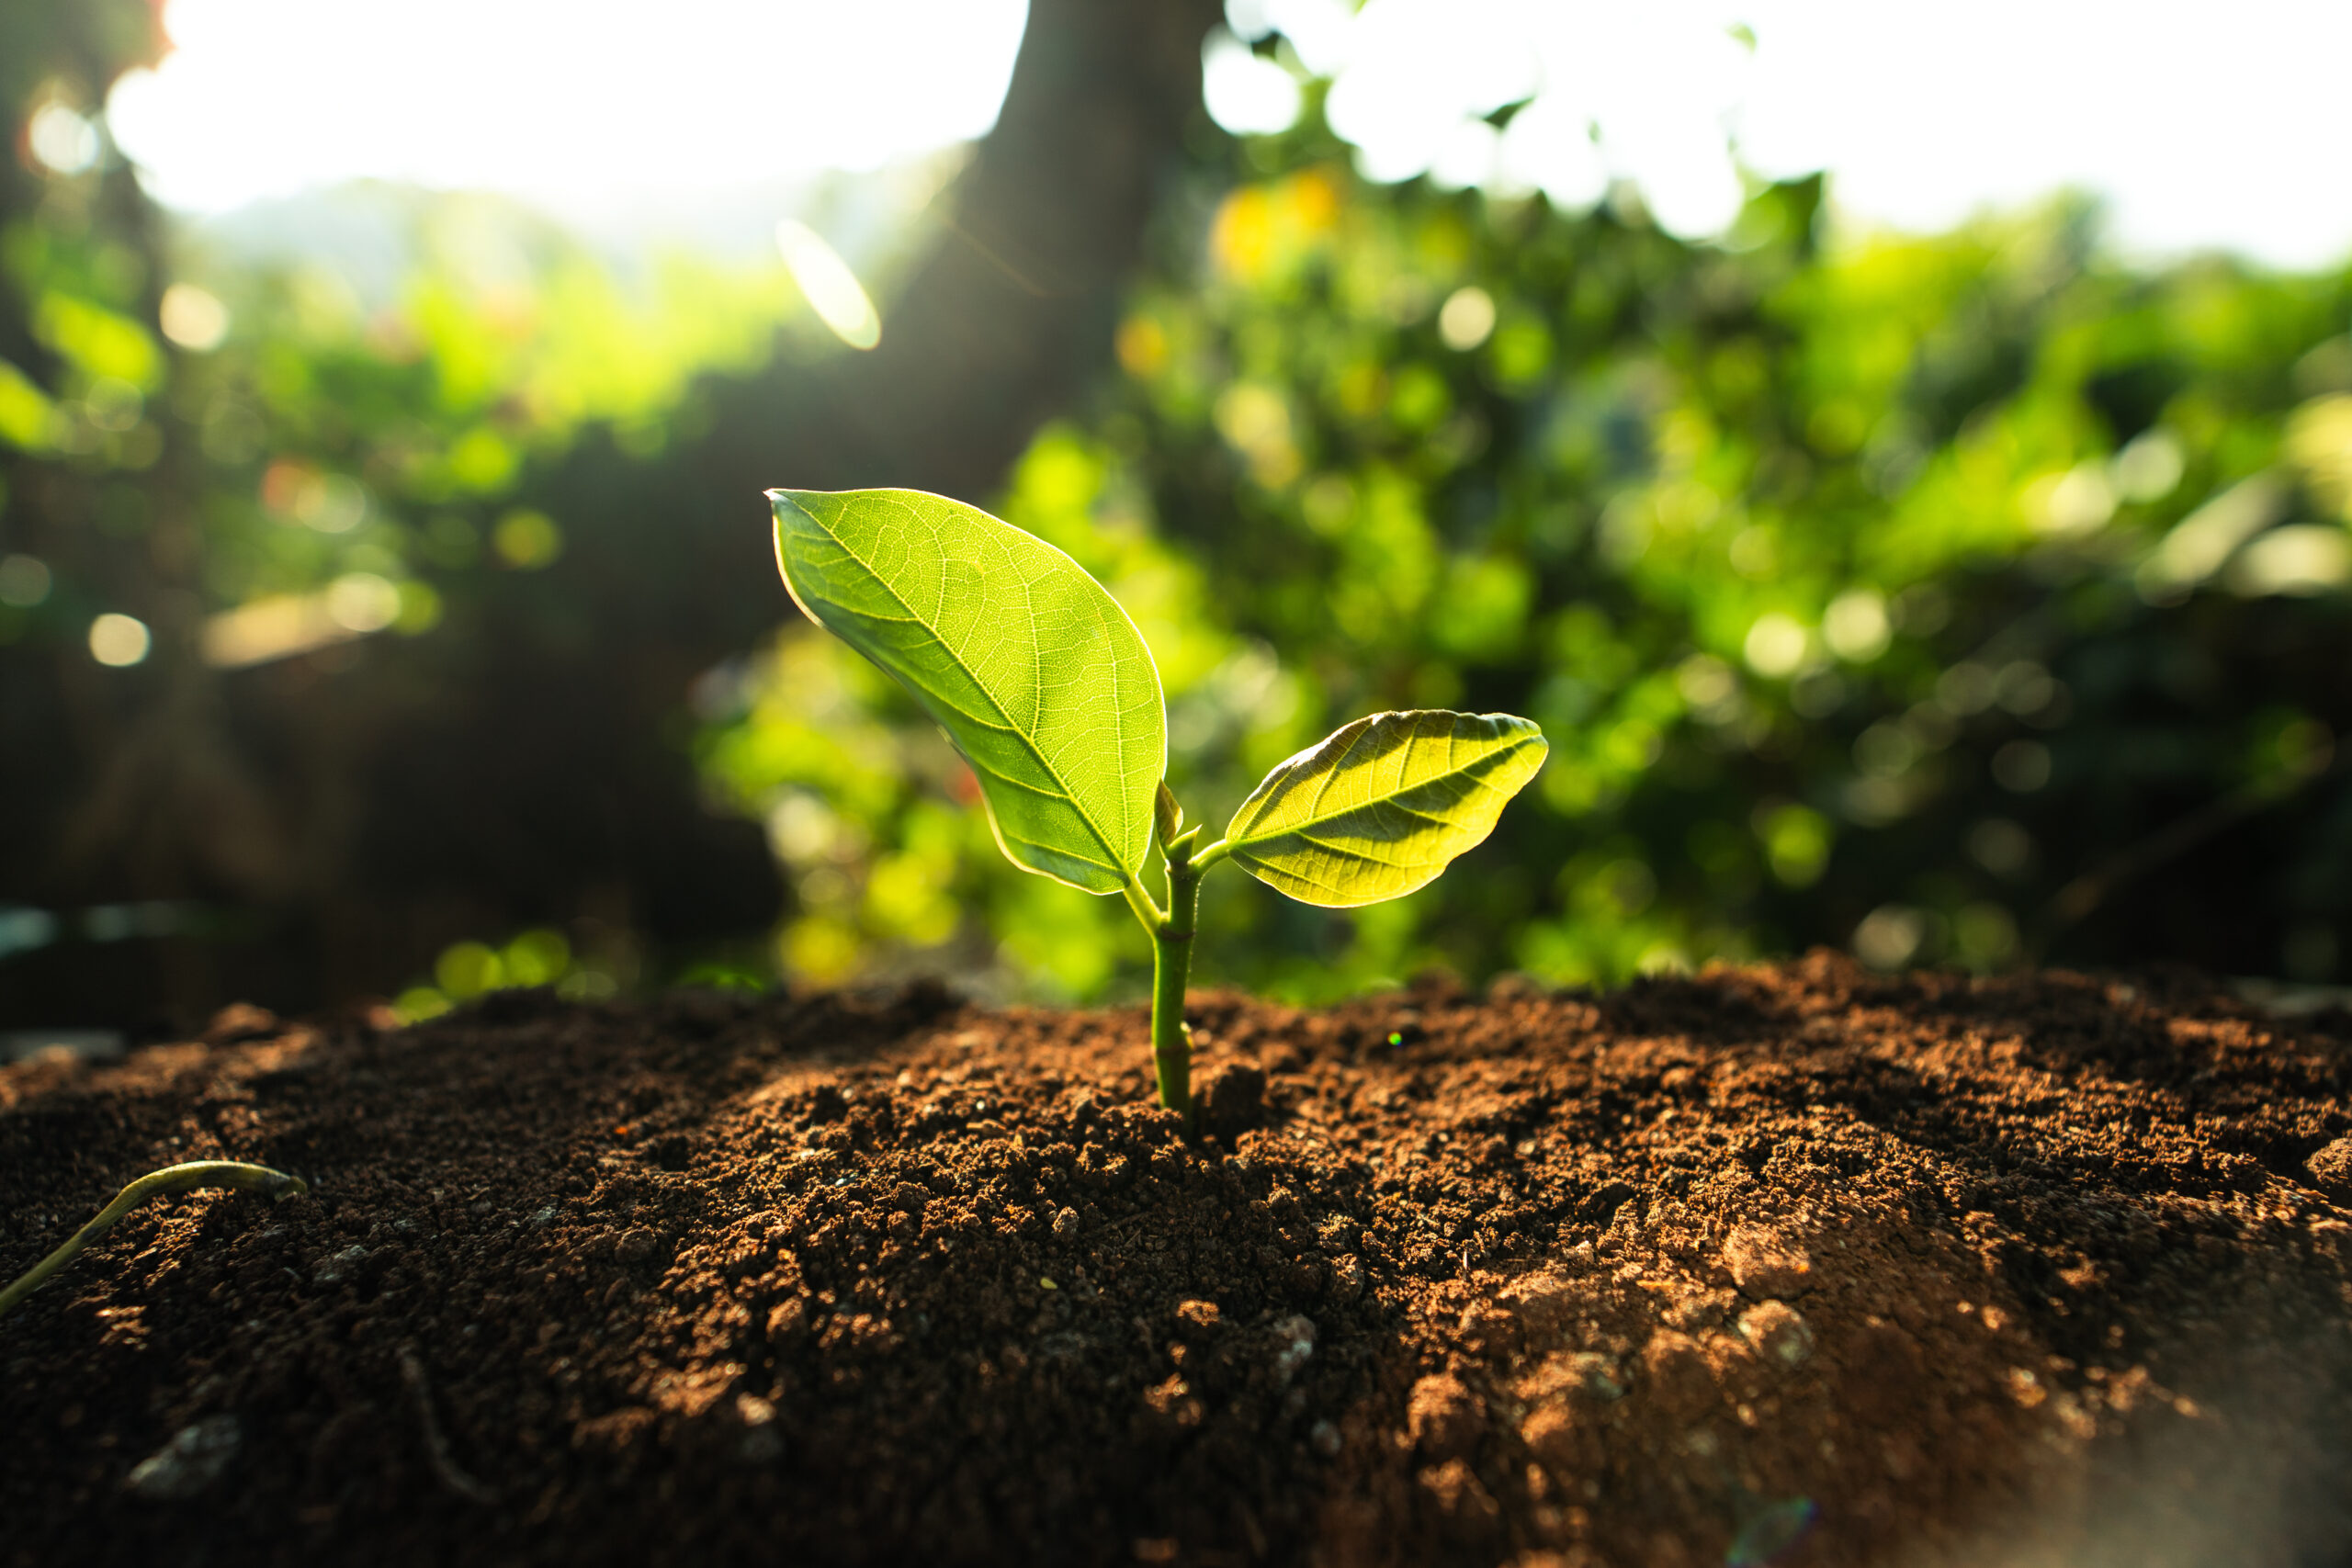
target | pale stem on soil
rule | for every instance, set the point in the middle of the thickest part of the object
(154, 1184)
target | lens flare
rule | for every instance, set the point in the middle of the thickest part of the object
(831, 288)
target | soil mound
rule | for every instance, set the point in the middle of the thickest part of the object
(1780, 1265)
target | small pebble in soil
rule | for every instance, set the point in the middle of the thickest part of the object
(1766, 1264)
(1297, 1336)
(340, 1267)
(1779, 1333)
(1771, 1532)
(1677, 1372)
(1540, 1302)
(762, 1444)
(197, 1456)
(2331, 1168)
(1066, 1223)
(1700, 1311)
(1596, 1375)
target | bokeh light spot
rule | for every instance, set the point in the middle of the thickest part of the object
(527, 540)
(1855, 626)
(2149, 465)
(1776, 646)
(363, 601)
(1890, 936)
(60, 140)
(469, 969)
(1467, 318)
(2299, 559)
(119, 641)
(24, 581)
(194, 318)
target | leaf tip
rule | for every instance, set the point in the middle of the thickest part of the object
(1168, 816)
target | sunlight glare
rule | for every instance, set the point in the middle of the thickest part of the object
(831, 288)
(568, 102)
(2197, 131)
(1242, 93)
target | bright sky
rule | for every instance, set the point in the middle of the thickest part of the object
(576, 104)
(2201, 125)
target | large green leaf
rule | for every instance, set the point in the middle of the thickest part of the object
(1034, 673)
(1384, 805)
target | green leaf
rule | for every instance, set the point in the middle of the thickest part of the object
(1034, 673)
(1384, 805)
(1169, 815)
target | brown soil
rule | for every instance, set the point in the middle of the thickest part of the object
(1780, 1265)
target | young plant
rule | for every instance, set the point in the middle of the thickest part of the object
(1041, 681)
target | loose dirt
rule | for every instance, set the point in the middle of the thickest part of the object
(1783, 1265)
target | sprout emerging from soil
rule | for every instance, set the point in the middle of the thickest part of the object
(154, 1184)
(1042, 681)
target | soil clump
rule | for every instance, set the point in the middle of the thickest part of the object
(1791, 1265)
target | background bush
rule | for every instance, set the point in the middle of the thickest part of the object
(1971, 599)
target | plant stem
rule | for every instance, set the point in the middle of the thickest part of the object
(171, 1179)
(1171, 969)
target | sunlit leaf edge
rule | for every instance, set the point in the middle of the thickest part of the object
(1514, 749)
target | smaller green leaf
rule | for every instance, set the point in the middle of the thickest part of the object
(1384, 805)
(1166, 815)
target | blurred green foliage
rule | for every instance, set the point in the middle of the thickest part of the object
(1860, 591)
(469, 969)
(1976, 598)
(333, 434)
(267, 457)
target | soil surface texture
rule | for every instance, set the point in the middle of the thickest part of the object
(1789, 1265)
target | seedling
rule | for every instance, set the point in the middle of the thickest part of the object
(1041, 681)
(154, 1184)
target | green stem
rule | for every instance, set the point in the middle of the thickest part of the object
(1171, 969)
(171, 1179)
(1139, 900)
